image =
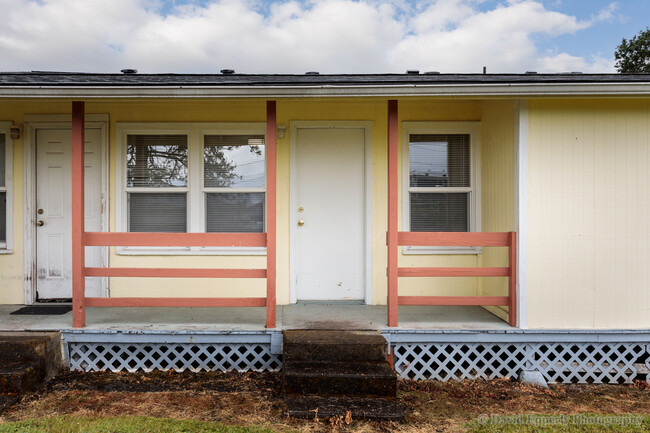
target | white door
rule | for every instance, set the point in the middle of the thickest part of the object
(54, 207)
(330, 195)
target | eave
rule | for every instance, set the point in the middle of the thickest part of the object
(516, 90)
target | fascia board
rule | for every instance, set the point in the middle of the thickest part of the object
(496, 90)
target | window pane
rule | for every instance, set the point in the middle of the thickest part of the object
(2, 160)
(439, 160)
(439, 212)
(234, 161)
(3, 217)
(158, 212)
(156, 160)
(235, 212)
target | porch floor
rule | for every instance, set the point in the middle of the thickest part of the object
(309, 316)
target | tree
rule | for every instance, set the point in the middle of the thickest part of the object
(633, 56)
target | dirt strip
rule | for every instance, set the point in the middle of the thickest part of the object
(256, 399)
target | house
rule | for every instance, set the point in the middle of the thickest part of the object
(524, 195)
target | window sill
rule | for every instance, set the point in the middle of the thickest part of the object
(193, 251)
(411, 250)
(5, 251)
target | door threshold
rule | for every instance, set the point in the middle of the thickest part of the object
(62, 301)
(332, 302)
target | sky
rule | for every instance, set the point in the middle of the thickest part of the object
(329, 36)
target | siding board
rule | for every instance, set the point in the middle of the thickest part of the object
(589, 192)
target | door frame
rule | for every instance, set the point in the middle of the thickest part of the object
(32, 123)
(366, 125)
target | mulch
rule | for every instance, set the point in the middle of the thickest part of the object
(6, 400)
(257, 399)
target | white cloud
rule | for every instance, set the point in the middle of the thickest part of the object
(331, 36)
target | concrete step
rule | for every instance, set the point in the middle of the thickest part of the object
(7, 400)
(373, 408)
(340, 378)
(43, 347)
(334, 346)
(18, 377)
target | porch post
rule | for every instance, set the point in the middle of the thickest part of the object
(78, 278)
(512, 281)
(391, 238)
(270, 212)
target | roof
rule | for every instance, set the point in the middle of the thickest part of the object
(94, 79)
(44, 84)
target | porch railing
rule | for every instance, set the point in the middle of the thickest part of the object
(500, 239)
(395, 239)
(82, 239)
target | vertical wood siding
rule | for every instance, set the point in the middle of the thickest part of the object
(497, 190)
(589, 191)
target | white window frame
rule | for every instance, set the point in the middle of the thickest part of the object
(471, 128)
(196, 221)
(7, 246)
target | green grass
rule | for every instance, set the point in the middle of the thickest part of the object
(122, 424)
(532, 423)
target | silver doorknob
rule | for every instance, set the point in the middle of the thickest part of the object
(301, 223)
(40, 223)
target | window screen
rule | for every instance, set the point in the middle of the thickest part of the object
(3, 216)
(439, 212)
(158, 212)
(2, 161)
(3, 192)
(235, 212)
(437, 163)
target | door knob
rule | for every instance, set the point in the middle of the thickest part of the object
(301, 223)
(40, 223)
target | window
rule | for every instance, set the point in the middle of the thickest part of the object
(156, 181)
(234, 179)
(6, 161)
(441, 180)
(192, 178)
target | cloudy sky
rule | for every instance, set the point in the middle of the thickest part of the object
(330, 36)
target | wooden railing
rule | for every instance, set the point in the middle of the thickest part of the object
(506, 239)
(395, 238)
(82, 239)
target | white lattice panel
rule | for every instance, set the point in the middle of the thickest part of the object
(558, 362)
(458, 360)
(587, 362)
(133, 357)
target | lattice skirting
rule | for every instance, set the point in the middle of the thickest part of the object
(177, 357)
(131, 352)
(566, 362)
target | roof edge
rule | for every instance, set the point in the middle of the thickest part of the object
(323, 90)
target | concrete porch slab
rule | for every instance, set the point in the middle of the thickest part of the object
(307, 316)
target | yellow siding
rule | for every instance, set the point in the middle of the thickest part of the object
(589, 222)
(12, 281)
(185, 111)
(497, 189)
(413, 111)
(289, 110)
(11, 266)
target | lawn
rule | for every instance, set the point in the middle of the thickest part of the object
(121, 424)
(252, 402)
